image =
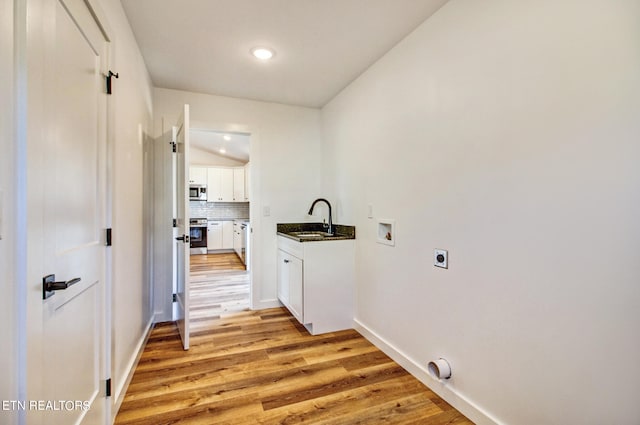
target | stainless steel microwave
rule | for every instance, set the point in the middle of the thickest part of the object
(197, 192)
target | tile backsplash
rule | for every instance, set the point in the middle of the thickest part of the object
(219, 210)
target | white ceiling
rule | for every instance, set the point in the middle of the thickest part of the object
(237, 147)
(321, 45)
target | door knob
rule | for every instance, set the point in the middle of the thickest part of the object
(49, 285)
(183, 238)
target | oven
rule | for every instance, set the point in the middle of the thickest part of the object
(198, 235)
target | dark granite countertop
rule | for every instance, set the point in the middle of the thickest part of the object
(315, 232)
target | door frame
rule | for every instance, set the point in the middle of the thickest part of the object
(253, 214)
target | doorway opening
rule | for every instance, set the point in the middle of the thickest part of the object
(220, 279)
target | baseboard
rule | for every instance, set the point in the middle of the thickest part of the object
(265, 304)
(450, 395)
(121, 389)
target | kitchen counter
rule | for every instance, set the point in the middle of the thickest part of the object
(315, 232)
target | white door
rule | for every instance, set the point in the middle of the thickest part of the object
(67, 324)
(181, 139)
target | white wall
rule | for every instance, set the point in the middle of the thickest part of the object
(8, 281)
(285, 165)
(132, 117)
(507, 133)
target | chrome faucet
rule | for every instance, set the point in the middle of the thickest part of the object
(329, 205)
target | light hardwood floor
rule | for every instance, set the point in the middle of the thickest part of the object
(219, 284)
(263, 367)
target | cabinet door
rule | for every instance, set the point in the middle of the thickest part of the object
(290, 284)
(214, 235)
(226, 186)
(227, 235)
(247, 177)
(283, 277)
(237, 238)
(238, 184)
(296, 288)
(198, 175)
(214, 183)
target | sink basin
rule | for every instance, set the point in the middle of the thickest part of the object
(310, 235)
(315, 232)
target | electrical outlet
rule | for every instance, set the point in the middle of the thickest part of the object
(441, 258)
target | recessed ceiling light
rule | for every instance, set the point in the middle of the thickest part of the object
(226, 137)
(223, 150)
(263, 53)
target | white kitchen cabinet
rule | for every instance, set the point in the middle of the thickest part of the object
(227, 235)
(198, 175)
(237, 238)
(220, 184)
(238, 184)
(283, 277)
(214, 235)
(219, 235)
(247, 179)
(290, 284)
(316, 281)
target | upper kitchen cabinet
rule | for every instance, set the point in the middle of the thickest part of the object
(238, 184)
(224, 184)
(247, 179)
(198, 175)
(220, 184)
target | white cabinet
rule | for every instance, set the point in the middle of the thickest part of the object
(225, 184)
(237, 238)
(214, 185)
(220, 235)
(220, 184)
(283, 278)
(238, 184)
(198, 175)
(227, 235)
(214, 234)
(315, 282)
(247, 179)
(290, 284)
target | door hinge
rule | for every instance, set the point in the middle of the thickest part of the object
(109, 75)
(174, 147)
(175, 223)
(175, 298)
(107, 387)
(108, 237)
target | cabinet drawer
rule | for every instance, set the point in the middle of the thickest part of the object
(292, 247)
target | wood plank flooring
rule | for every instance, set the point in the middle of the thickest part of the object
(263, 367)
(219, 284)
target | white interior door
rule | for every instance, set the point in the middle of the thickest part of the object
(70, 318)
(182, 220)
